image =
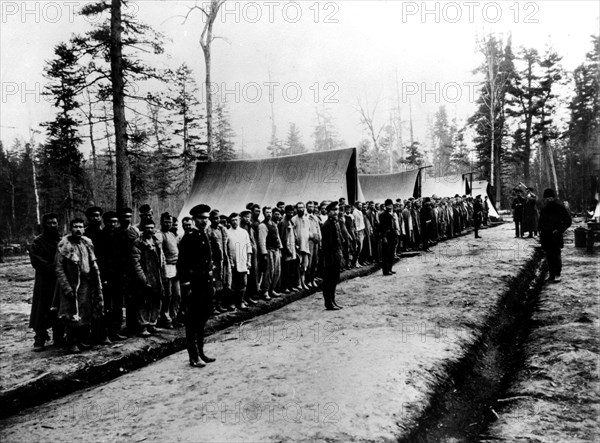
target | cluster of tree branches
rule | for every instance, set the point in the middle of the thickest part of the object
(145, 127)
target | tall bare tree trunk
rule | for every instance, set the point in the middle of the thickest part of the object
(118, 86)
(206, 40)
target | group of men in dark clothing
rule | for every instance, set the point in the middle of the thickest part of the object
(85, 279)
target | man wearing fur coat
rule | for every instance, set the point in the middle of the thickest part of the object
(78, 294)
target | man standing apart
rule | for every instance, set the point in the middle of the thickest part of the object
(554, 221)
(332, 256)
(195, 268)
(42, 254)
(240, 255)
(78, 295)
(149, 264)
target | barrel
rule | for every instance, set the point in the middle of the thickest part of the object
(580, 237)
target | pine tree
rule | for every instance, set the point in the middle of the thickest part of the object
(62, 177)
(443, 134)
(581, 168)
(223, 145)
(293, 143)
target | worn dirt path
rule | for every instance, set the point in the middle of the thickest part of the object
(303, 373)
(556, 395)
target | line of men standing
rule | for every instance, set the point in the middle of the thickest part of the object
(84, 280)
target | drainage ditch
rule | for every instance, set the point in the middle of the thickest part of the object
(463, 407)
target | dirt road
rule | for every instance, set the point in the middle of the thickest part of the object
(303, 373)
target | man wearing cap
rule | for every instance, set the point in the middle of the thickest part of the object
(78, 295)
(195, 269)
(171, 299)
(42, 254)
(240, 256)
(477, 215)
(387, 232)
(553, 222)
(149, 267)
(111, 252)
(332, 256)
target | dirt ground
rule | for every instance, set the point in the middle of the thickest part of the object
(303, 373)
(556, 395)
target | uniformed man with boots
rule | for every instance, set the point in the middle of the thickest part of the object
(195, 269)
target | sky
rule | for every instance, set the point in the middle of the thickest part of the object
(304, 56)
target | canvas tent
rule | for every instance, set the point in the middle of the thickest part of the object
(447, 186)
(379, 187)
(482, 187)
(229, 186)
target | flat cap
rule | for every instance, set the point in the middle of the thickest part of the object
(200, 211)
(91, 210)
(332, 206)
(109, 214)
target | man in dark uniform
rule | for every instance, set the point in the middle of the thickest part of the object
(477, 215)
(387, 233)
(554, 221)
(517, 208)
(195, 267)
(332, 256)
(42, 254)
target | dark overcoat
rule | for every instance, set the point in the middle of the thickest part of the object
(42, 254)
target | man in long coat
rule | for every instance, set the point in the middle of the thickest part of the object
(149, 268)
(332, 256)
(554, 221)
(42, 254)
(78, 295)
(195, 270)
